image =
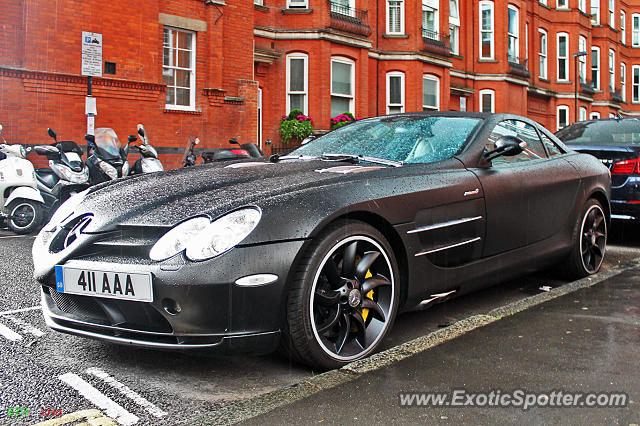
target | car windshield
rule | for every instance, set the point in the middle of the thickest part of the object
(401, 138)
(602, 132)
(107, 142)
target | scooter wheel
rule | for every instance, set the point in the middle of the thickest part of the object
(25, 216)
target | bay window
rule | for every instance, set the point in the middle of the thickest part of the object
(178, 68)
(342, 86)
(563, 116)
(454, 26)
(487, 100)
(430, 19)
(563, 57)
(430, 93)
(395, 92)
(297, 82)
(486, 30)
(542, 54)
(595, 67)
(395, 16)
(513, 33)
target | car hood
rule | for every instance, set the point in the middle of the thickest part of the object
(164, 199)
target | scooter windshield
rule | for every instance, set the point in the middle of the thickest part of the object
(107, 143)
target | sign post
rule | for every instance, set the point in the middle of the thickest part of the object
(91, 67)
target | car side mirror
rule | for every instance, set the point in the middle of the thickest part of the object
(507, 146)
(52, 133)
(132, 138)
(90, 138)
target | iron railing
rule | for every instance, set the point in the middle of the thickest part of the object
(349, 19)
(435, 42)
(519, 67)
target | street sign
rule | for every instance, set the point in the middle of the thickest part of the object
(91, 54)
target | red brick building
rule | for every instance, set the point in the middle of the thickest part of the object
(231, 68)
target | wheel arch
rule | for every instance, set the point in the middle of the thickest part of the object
(601, 197)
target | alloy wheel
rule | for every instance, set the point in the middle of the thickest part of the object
(23, 215)
(593, 239)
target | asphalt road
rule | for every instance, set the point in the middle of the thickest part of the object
(45, 370)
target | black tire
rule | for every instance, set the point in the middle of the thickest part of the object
(25, 216)
(343, 297)
(589, 242)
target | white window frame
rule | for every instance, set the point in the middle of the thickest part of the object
(623, 80)
(559, 58)
(481, 101)
(435, 78)
(390, 75)
(612, 70)
(582, 6)
(595, 12)
(258, 2)
(558, 109)
(596, 67)
(297, 4)
(635, 84)
(515, 35)
(491, 31)
(612, 14)
(582, 114)
(623, 27)
(352, 98)
(455, 22)
(338, 6)
(435, 6)
(305, 92)
(635, 30)
(543, 55)
(542, 2)
(388, 22)
(192, 70)
(562, 4)
(595, 115)
(582, 60)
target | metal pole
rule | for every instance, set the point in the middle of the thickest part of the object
(89, 84)
(575, 66)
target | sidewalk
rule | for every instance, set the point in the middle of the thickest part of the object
(586, 341)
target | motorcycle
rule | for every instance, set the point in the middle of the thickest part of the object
(189, 157)
(107, 159)
(21, 204)
(148, 161)
(246, 150)
(66, 175)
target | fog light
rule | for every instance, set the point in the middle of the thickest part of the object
(171, 306)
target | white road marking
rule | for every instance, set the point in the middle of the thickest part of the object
(16, 311)
(25, 326)
(126, 391)
(18, 236)
(100, 400)
(9, 333)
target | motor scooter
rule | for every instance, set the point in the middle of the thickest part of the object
(21, 204)
(189, 156)
(107, 159)
(148, 161)
(245, 150)
(66, 175)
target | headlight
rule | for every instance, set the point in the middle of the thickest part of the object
(23, 152)
(203, 239)
(67, 174)
(109, 170)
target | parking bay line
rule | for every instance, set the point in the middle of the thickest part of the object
(9, 333)
(126, 391)
(100, 400)
(16, 311)
(25, 326)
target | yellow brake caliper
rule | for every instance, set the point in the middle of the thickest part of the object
(365, 311)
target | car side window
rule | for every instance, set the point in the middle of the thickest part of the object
(526, 132)
(552, 148)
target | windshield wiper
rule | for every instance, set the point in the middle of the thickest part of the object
(277, 157)
(359, 158)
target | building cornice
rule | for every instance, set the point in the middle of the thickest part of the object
(606, 104)
(409, 56)
(489, 77)
(325, 34)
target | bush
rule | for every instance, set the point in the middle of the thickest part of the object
(296, 125)
(342, 120)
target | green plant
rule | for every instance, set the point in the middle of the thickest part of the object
(296, 125)
(343, 119)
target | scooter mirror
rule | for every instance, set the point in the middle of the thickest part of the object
(52, 133)
(234, 141)
(141, 131)
(0, 128)
(90, 138)
(132, 138)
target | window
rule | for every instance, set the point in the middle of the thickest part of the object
(454, 26)
(487, 100)
(552, 148)
(258, 2)
(486, 30)
(635, 30)
(513, 34)
(612, 70)
(561, 4)
(342, 86)
(623, 27)
(582, 6)
(582, 60)
(595, 12)
(563, 116)
(563, 57)
(635, 83)
(594, 116)
(542, 2)
(430, 19)
(179, 68)
(534, 150)
(612, 14)
(395, 92)
(395, 16)
(297, 82)
(526, 41)
(542, 55)
(582, 114)
(297, 3)
(343, 7)
(623, 80)
(595, 67)
(430, 93)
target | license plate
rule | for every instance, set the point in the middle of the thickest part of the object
(115, 285)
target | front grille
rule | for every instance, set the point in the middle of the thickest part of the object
(80, 306)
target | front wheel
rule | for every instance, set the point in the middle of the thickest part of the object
(343, 298)
(25, 215)
(589, 242)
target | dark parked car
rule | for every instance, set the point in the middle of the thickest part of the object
(616, 142)
(317, 251)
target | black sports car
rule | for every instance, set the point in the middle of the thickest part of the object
(616, 142)
(317, 251)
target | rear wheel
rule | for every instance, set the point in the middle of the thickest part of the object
(589, 241)
(344, 297)
(25, 216)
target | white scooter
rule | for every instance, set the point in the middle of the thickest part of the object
(21, 204)
(148, 161)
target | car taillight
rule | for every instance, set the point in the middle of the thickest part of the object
(626, 167)
(240, 151)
